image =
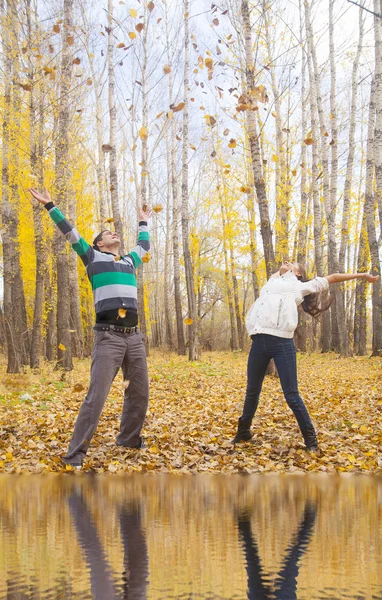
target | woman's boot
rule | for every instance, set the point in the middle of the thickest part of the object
(243, 431)
(310, 439)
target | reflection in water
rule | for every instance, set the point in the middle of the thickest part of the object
(286, 582)
(208, 537)
(134, 547)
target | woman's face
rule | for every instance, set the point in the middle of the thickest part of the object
(289, 266)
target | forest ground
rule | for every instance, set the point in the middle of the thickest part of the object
(192, 417)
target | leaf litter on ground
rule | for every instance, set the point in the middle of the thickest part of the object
(192, 418)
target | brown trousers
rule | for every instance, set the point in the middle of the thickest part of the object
(111, 351)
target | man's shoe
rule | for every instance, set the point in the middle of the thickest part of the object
(140, 446)
(244, 434)
(75, 462)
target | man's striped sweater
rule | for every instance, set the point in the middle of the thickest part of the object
(112, 277)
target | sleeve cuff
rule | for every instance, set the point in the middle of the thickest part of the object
(49, 205)
(142, 223)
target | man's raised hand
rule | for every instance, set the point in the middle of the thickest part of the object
(144, 213)
(43, 197)
(370, 278)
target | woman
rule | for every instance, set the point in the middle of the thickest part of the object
(271, 323)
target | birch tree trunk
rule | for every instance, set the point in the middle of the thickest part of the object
(370, 213)
(181, 346)
(64, 351)
(193, 339)
(36, 159)
(118, 226)
(344, 339)
(258, 176)
(9, 218)
(360, 310)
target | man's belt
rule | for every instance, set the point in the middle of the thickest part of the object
(116, 328)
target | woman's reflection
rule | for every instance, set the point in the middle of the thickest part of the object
(136, 562)
(286, 581)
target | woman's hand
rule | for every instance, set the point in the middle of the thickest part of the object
(144, 213)
(370, 278)
(43, 197)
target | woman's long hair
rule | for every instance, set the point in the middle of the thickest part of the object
(314, 304)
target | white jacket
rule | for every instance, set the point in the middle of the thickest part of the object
(275, 311)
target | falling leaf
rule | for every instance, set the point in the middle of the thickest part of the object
(294, 172)
(209, 63)
(106, 148)
(139, 27)
(151, 6)
(62, 347)
(146, 258)
(232, 143)
(26, 86)
(215, 21)
(179, 107)
(245, 189)
(122, 313)
(143, 132)
(89, 81)
(167, 69)
(275, 157)
(188, 321)
(211, 121)
(120, 45)
(213, 154)
(157, 208)
(70, 40)
(308, 141)
(109, 220)
(56, 28)
(192, 147)
(78, 387)
(331, 143)
(132, 35)
(273, 114)
(226, 132)
(133, 13)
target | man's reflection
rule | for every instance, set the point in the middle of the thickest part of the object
(286, 581)
(135, 577)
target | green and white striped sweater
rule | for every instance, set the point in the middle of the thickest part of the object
(112, 278)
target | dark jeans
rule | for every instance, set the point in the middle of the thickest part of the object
(282, 350)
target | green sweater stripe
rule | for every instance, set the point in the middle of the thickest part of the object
(143, 235)
(81, 247)
(113, 278)
(56, 215)
(136, 260)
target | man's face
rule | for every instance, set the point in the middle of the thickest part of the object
(288, 266)
(109, 240)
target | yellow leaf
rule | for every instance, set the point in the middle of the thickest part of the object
(188, 321)
(192, 147)
(131, 179)
(232, 144)
(294, 172)
(351, 458)
(89, 81)
(132, 35)
(146, 258)
(61, 347)
(275, 157)
(179, 107)
(9, 456)
(209, 63)
(133, 13)
(157, 208)
(122, 313)
(170, 114)
(308, 141)
(120, 45)
(78, 387)
(109, 220)
(139, 27)
(143, 133)
(167, 69)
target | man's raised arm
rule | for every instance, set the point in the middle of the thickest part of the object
(79, 245)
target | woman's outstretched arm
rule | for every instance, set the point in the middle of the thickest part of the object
(339, 277)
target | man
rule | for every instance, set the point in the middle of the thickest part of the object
(118, 341)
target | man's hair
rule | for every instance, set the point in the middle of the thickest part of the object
(97, 239)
